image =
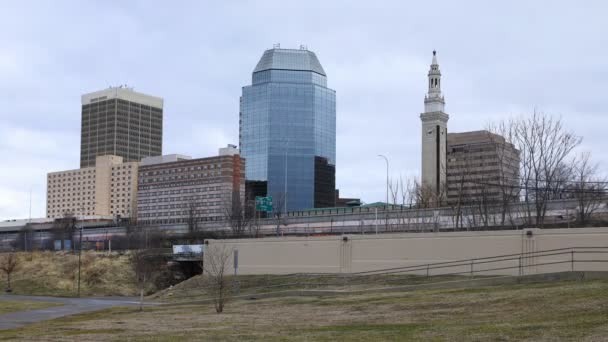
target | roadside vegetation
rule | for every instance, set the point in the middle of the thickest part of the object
(56, 274)
(564, 311)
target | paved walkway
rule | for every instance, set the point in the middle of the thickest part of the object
(71, 306)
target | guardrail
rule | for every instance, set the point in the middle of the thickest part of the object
(525, 260)
(524, 263)
(186, 256)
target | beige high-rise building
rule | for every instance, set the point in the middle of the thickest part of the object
(434, 136)
(482, 167)
(122, 122)
(107, 189)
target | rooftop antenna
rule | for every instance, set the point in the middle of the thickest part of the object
(276, 46)
(303, 47)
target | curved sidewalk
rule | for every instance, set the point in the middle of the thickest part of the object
(71, 306)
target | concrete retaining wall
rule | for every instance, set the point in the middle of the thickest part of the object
(356, 253)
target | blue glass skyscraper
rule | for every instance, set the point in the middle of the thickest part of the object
(288, 130)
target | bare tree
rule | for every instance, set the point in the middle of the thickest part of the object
(544, 145)
(142, 262)
(425, 196)
(588, 188)
(502, 136)
(215, 264)
(461, 179)
(8, 264)
(193, 216)
(279, 211)
(236, 214)
(402, 194)
(407, 201)
(394, 190)
(255, 225)
(481, 205)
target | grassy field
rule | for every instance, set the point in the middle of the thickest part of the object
(194, 288)
(55, 274)
(7, 306)
(564, 311)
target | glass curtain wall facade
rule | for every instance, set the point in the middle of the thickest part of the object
(287, 118)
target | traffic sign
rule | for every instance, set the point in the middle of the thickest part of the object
(263, 203)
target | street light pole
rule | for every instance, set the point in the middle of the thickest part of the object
(285, 192)
(386, 210)
(386, 159)
(79, 252)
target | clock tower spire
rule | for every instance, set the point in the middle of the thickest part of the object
(434, 137)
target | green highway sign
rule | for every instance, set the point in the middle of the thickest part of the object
(263, 203)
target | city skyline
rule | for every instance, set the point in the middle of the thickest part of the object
(378, 69)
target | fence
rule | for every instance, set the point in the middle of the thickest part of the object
(558, 260)
(523, 262)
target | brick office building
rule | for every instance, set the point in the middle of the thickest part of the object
(482, 167)
(175, 189)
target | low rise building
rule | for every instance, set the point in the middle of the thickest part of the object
(481, 166)
(183, 190)
(107, 189)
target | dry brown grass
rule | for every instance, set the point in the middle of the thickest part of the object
(56, 273)
(194, 288)
(564, 311)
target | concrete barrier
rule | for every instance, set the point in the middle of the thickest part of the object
(357, 253)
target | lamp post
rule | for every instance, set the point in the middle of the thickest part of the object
(79, 249)
(386, 159)
(386, 210)
(285, 192)
(79, 254)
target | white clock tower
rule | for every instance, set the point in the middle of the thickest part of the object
(434, 136)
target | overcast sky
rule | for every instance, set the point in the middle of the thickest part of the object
(498, 59)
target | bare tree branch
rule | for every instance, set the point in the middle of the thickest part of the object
(8, 264)
(216, 259)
